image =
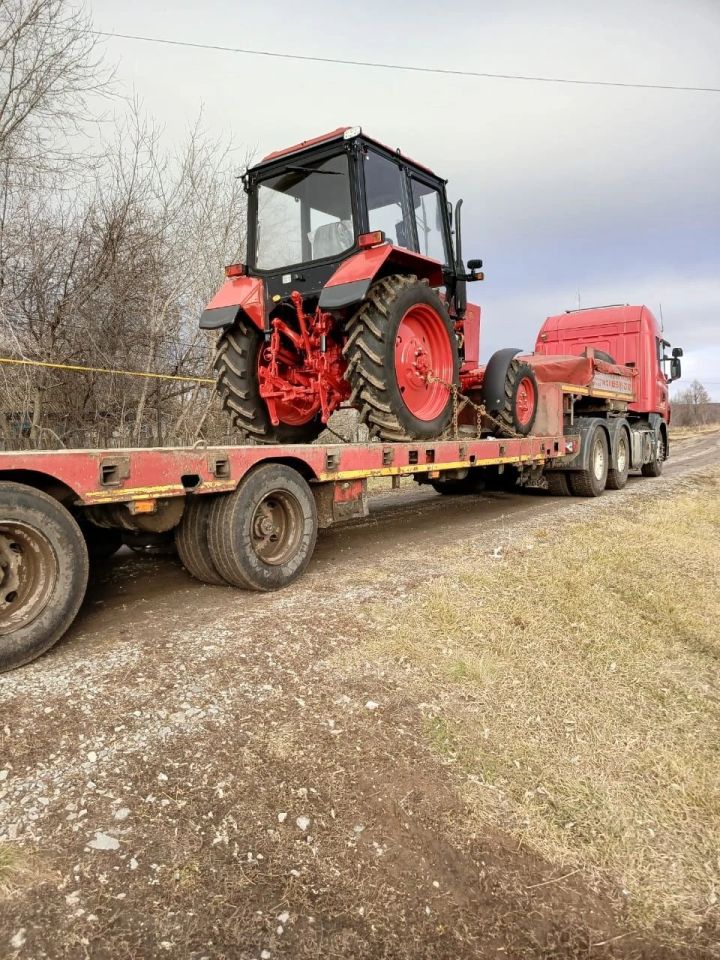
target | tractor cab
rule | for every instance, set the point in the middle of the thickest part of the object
(314, 206)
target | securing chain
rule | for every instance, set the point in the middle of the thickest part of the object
(460, 401)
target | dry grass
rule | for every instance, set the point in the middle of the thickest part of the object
(575, 680)
(15, 869)
(687, 433)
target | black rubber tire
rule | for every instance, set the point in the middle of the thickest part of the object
(102, 542)
(557, 484)
(601, 355)
(655, 467)
(503, 481)
(235, 364)
(231, 526)
(618, 475)
(591, 482)
(510, 423)
(370, 352)
(39, 512)
(472, 483)
(191, 540)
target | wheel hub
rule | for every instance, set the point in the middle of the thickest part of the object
(28, 573)
(276, 527)
(423, 361)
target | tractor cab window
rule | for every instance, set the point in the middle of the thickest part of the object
(384, 197)
(430, 221)
(304, 213)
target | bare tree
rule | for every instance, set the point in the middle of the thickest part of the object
(692, 406)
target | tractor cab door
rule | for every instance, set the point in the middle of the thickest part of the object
(388, 208)
(430, 215)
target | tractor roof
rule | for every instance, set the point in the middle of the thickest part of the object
(341, 133)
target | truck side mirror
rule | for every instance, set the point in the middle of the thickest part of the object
(675, 367)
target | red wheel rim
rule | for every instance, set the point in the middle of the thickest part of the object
(525, 401)
(295, 412)
(423, 355)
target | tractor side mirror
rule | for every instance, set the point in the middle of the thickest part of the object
(677, 352)
(475, 264)
(675, 367)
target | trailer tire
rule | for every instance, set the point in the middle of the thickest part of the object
(618, 473)
(262, 535)
(591, 481)
(557, 484)
(472, 483)
(191, 540)
(43, 570)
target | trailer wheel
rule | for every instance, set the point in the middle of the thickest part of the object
(43, 573)
(557, 484)
(591, 482)
(191, 540)
(262, 535)
(618, 472)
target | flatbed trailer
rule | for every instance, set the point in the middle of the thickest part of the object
(247, 516)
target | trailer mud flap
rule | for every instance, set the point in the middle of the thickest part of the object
(340, 500)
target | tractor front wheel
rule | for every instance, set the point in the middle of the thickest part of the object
(402, 356)
(237, 361)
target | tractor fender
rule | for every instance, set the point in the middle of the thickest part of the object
(495, 376)
(351, 281)
(237, 296)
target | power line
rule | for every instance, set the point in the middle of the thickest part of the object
(398, 66)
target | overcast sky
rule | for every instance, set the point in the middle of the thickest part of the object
(610, 195)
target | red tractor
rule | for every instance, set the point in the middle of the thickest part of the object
(354, 293)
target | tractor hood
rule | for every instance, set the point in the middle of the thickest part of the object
(237, 295)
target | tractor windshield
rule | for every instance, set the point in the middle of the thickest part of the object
(304, 213)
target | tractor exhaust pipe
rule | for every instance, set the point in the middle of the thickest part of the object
(460, 282)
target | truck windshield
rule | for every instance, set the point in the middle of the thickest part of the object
(304, 213)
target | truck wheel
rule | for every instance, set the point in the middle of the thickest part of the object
(262, 535)
(191, 540)
(402, 353)
(618, 472)
(521, 399)
(239, 353)
(557, 484)
(591, 482)
(43, 573)
(655, 467)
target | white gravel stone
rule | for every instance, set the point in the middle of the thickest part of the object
(282, 817)
(18, 940)
(303, 822)
(104, 841)
(122, 813)
(371, 705)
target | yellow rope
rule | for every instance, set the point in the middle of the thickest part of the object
(124, 373)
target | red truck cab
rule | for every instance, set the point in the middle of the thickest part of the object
(627, 335)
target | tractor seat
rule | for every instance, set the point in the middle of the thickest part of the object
(331, 239)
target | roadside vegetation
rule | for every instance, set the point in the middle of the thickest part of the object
(573, 682)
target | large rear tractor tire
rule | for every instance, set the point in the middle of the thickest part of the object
(191, 540)
(43, 573)
(591, 481)
(402, 353)
(262, 535)
(236, 364)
